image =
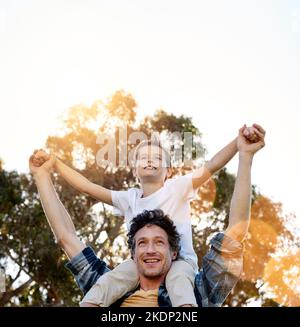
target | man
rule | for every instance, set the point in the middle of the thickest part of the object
(151, 248)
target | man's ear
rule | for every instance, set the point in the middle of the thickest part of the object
(133, 257)
(174, 255)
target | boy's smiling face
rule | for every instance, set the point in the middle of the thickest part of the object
(151, 164)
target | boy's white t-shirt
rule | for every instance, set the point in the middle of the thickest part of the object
(173, 198)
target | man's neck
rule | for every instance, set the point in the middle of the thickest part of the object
(149, 188)
(147, 284)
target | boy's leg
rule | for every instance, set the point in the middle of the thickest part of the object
(113, 285)
(180, 284)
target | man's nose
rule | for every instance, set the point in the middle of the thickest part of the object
(151, 248)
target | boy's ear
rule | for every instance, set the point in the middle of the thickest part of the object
(134, 172)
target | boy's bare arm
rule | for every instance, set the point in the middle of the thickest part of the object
(217, 162)
(74, 178)
(82, 184)
(221, 158)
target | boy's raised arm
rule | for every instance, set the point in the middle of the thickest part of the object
(221, 158)
(82, 184)
(217, 162)
(74, 178)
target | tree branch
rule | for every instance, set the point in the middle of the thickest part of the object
(8, 295)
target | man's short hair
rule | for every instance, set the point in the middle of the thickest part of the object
(158, 218)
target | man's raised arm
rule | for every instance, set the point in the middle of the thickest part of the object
(57, 216)
(239, 216)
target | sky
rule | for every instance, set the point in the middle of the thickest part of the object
(223, 63)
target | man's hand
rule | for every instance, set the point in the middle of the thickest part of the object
(247, 146)
(41, 165)
(251, 134)
(40, 156)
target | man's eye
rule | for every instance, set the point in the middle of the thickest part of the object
(159, 242)
(141, 243)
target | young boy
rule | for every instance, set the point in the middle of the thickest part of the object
(156, 192)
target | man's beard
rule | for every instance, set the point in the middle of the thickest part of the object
(152, 274)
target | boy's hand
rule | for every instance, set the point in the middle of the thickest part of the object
(46, 166)
(252, 133)
(39, 157)
(246, 146)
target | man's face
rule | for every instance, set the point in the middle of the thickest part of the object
(153, 255)
(151, 164)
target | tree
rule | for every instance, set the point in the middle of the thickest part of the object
(27, 242)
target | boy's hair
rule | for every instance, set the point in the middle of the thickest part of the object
(158, 218)
(154, 142)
